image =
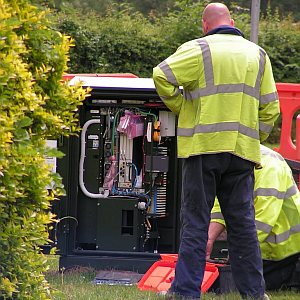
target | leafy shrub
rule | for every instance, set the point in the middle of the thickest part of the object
(122, 41)
(125, 41)
(281, 39)
(35, 105)
(183, 23)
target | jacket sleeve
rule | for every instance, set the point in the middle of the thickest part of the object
(269, 103)
(216, 214)
(181, 69)
(270, 181)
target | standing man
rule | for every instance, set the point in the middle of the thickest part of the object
(229, 105)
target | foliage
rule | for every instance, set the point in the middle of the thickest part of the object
(281, 39)
(146, 7)
(35, 105)
(284, 7)
(153, 6)
(183, 23)
(125, 42)
(162, 7)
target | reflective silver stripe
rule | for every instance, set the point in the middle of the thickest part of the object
(223, 89)
(264, 99)
(269, 192)
(168, 72)
(207, 62)
(217, 127)
(216, 216)
(261, 68)
(166, 98)
(187, 94)
(293, 190)
(212, 89)
(265, 128)
(279, 238)
(185, 131)
(263, 226)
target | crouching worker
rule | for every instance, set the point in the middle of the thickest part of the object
(277, 216)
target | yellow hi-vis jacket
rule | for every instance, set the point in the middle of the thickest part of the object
(277, 208)
(229, 101)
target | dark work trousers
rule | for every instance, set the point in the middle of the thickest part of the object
(279, 274)
(231, 179)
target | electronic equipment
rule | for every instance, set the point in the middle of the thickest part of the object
(121, 175)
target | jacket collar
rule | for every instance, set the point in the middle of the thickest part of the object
(225, 29)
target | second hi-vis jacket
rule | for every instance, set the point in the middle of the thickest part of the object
(229, 101)
(277, 208)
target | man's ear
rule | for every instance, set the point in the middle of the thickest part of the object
(204, 27)
(232, 22)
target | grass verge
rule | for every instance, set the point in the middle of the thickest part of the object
(77, 284)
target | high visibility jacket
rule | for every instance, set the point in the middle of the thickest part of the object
(229, 101)
(277, 208)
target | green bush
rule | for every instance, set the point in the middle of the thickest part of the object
(122, 41)
(183, 23)
(35, 105)
(125, 41)
(281, 39)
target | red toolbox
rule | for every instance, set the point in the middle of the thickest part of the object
(160, 275)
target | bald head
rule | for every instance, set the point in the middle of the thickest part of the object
(215, 15)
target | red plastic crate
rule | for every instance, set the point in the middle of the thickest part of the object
(160, 275)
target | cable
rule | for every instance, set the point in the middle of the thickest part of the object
(56, 225)
(148, 224)
(82, 158)
(144, 113)
(113, 131)
(136, 173)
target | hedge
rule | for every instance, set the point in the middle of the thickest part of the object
(126, 41)
(35, 106)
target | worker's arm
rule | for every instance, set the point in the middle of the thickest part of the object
(167, 91)
(269, 103)
(270, 181)
(179, 70)
(215, 229)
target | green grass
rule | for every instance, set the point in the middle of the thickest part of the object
(77, 284)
